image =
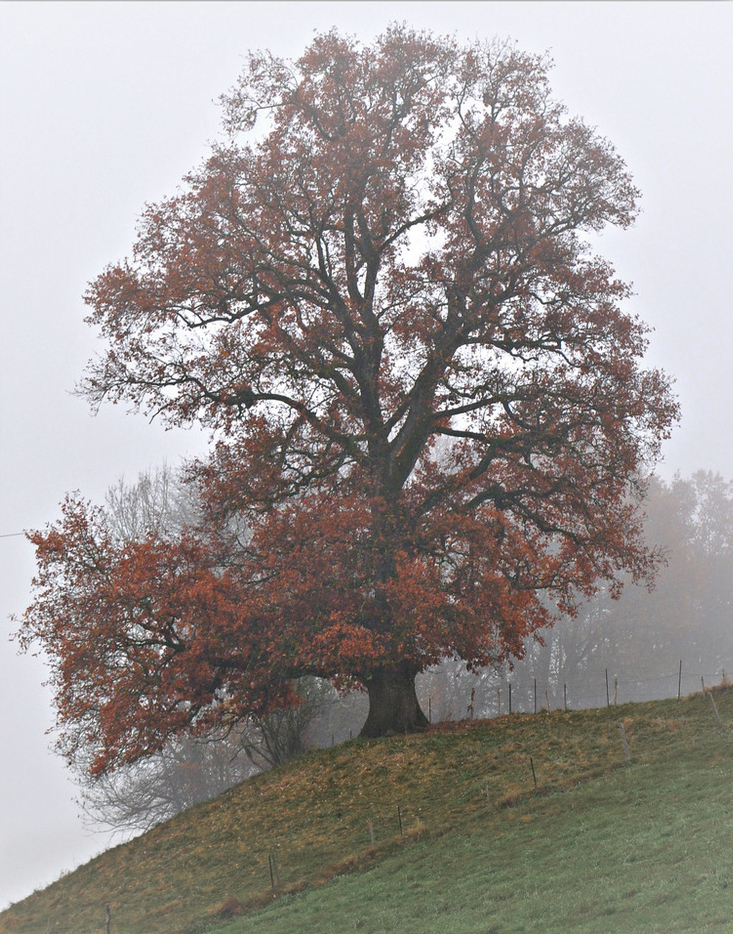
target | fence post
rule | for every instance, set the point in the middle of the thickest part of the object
(679, 683)
(535, 695)
(565, 696)
(274, 871)
(108, 920)
(608, 696)
(715, 709)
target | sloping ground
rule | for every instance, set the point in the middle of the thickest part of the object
(646, 849)
(479, 801)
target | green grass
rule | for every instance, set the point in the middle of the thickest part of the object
(601, 844)
(646, 849)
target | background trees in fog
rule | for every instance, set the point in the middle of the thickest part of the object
(639, 639)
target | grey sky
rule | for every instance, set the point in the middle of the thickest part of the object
(104, 106)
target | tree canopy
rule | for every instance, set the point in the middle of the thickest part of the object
(428, 409)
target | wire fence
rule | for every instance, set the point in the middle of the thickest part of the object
(498, 694)
(614, 689)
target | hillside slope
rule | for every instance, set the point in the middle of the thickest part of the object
(437, 816)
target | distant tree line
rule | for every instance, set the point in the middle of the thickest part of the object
(638, 639)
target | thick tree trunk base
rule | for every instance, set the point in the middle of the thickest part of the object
(393, 703)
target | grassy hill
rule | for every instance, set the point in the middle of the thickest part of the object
(525, 823)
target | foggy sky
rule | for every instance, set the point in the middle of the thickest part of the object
(104, 106)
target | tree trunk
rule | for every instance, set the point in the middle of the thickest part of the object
(393, 704)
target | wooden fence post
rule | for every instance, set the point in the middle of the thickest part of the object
(679, 683)
(108, 920)
(274, 872)
(715, 709)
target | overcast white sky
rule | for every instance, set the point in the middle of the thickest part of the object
(104, 106)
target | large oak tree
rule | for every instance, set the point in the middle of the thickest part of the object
(427, 407)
